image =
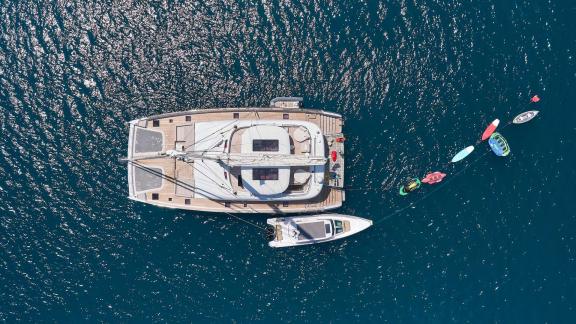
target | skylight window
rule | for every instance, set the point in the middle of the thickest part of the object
(264, 145)
(265, 174)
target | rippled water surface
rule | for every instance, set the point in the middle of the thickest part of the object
(415, 80)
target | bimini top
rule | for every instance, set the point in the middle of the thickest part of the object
(266, 139)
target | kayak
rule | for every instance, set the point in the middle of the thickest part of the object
(499, 145)
(410, 186)
(462, 154)
(434, 177)
(490, 129)
(525, 117)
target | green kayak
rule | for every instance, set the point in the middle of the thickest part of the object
(410, 186)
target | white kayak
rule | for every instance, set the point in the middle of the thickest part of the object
(312, 229)
(525, 117)
(462, 154)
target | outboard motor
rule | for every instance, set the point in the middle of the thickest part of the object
(270, 233)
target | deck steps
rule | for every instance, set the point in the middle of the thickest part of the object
(328, 124)
(334, 197)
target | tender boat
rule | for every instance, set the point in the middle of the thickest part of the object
(525, 117)
(312, 229)
(277, 159)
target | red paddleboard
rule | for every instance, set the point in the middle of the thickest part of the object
(434, 177)
(490, 129)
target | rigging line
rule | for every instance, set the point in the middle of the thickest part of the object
(430, 193)
(279, 145)
(230, 144)
(207, 136)
(217, 144)
(245, 221)
(218, 150)
(256, 113)
(228, 188)
(221, 128)
(153, 157)
(216, 131)
(177, 182)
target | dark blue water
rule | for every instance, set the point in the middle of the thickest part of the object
(415, 81)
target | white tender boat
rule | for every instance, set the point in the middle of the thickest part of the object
(311, 229)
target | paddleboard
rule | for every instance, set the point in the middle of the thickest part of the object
(462, 154)
(490, 129)
(434, 177)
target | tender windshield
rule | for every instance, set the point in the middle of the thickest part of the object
(338, 227)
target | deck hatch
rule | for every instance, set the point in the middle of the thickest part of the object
(265, 145)
(265, 174)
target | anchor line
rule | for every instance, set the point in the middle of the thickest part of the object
(245, 221)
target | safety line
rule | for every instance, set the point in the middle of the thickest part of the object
(440, 186)
(431, 192)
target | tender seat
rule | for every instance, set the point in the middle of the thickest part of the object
(346, 226)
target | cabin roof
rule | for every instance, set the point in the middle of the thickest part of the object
(266, 139)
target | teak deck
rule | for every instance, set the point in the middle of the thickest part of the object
(171, 195)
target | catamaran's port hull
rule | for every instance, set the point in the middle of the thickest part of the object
(176, 177)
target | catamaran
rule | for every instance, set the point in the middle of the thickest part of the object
(277, 159)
